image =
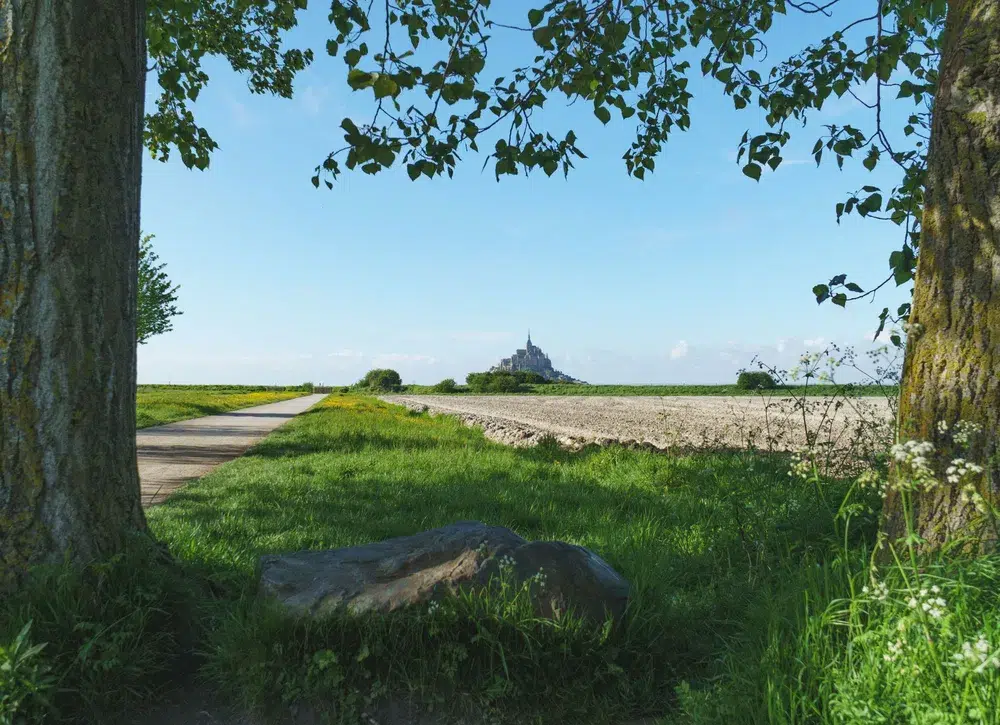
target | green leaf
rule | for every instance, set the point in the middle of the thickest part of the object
(872, 158)
(603, 114)
(753, 171)
(542, 36)
(352, 57)
(535, 17)
(358, 79)
(385, 86)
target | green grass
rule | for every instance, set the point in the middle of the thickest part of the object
(674, 390)
(704, 539)
(159, 404)
(748, 590)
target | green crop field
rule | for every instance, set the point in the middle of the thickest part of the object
(159, 404)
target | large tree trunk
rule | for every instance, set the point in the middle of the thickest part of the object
(71, 111)
(952, 369)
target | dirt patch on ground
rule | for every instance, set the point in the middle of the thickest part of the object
(774, 422)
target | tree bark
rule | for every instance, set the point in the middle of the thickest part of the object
(952, 368)
(72, 85)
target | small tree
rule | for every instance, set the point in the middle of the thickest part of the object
(448, 385)
(382, 379)
(755, 380)
(156, 295)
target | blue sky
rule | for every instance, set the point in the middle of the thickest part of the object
(681, 278)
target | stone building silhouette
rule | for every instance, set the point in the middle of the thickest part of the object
(530, 358)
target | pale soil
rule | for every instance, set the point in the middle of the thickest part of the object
(682, 421)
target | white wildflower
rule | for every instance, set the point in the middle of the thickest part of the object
(895, 650)
(976, 657)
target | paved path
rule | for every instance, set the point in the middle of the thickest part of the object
(173, 454)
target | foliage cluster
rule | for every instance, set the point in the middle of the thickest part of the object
(448, 385)
(156, 294)
(755, 380)
(382, 380)
(494, 382)
(502, 381)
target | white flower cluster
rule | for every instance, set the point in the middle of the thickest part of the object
(977, 656)
(541, 578)
(506, 562)
(961, 469)
(871, 479)
(929, 601)
(878, 591)
(895, 650)
(433, 608)
(803, 463)
(964, 431)
(915, 456)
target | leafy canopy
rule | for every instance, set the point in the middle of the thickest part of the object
(424, 62)
(156, 295)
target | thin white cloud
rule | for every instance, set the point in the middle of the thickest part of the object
(313, 98)
(242, 116)
(404, 357)
(346, 353)
(780, 347)
(817, 342)
(679, 350)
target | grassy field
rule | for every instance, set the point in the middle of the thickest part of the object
(673, 390)
(754, 598)
(159, 404)
(693, 535)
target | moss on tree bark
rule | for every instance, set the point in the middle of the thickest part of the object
(952, 368)
(72, 76)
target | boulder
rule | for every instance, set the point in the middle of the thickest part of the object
(409, 570)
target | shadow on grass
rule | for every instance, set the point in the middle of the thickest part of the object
(703, 538)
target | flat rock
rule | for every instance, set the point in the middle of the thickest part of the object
(408, 570)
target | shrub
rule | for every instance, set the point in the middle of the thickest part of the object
(758, 380)
(500, 381)
(382, 379)
(528, 377)
(448, 385)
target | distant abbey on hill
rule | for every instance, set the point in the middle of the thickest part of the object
(531, 359)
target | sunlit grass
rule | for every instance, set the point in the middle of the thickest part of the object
(700, 538)
(753, 600)
(156, 405)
